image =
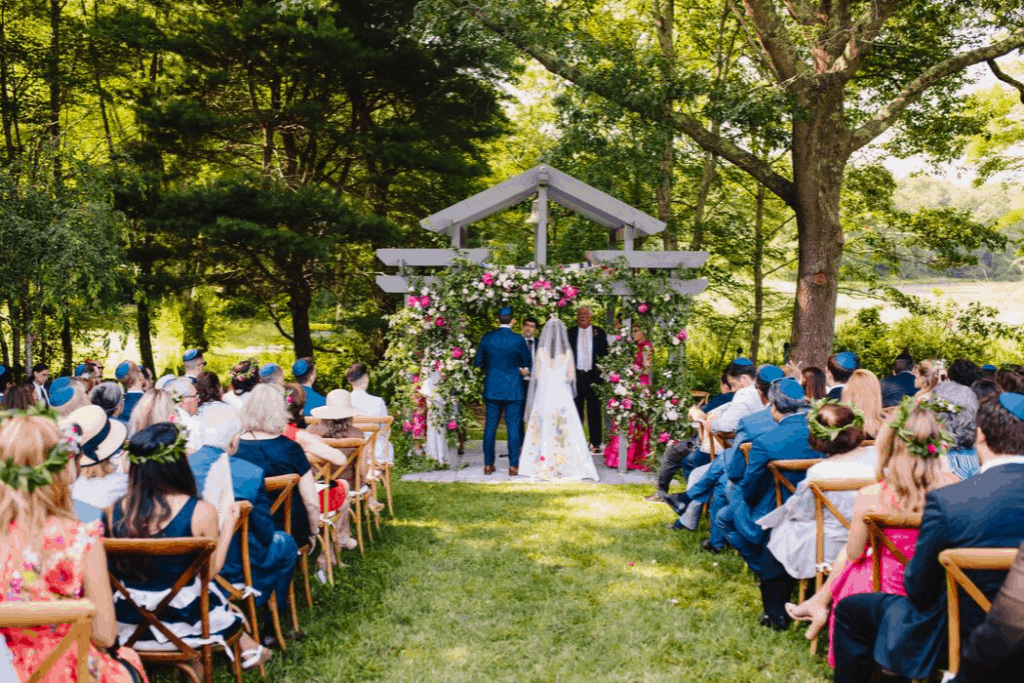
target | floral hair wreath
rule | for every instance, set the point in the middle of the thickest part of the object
(932, 447)
(29, 478)
(165, 454)
(253, 371)
(827, 432)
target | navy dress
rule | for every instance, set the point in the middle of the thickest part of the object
(275, 457)
(149, 578)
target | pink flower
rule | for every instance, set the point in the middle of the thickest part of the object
(541, 458)
(631, 564)
(661, 392)
(413, 301)
(570, 292)
(563, 301)
(643, 308)
(415, 379)
(407, 427)
(931, 449)
(644, 380)
(453, 425)
(439, 322)
(618, 337)
(612, 403)
(538, 284)
(627, 404)
(663, 437)
(675, 401)
(488, 279)
(424, 301)
(614, 378)
(681, 335)
(456, 352)
(437, 365)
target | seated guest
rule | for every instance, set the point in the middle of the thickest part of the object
(838, 369)
(100, 482)
(984, 388)
(908, 635)
(725, 393)
(862, 390)
(194, 364)
(134, 381)
(905, 478)
(263, 418)
(995, 650)
(271, 373)
(336, 423)
(156, 405)
(901, 383)
(927, 376)
(162, 502)
(304, 370)
(368, 404)
(836, 431)
(813, 381)
(19, 397)
(272, 554)
(187, 399)
(47, 555)
(1010, 381)
(988, 371)
(68, 396)
(754, 496)
(959, 421)
(244, 377)
(110, 397)
(208, 393)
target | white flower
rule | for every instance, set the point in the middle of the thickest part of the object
(444, 308)
(465, 291)
(480, 285)
(675, 341)
(620, 390)
(667, 374)
(490, 293)
(671, 416)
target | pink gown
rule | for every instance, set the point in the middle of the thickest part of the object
(855, 578)
(639, 433)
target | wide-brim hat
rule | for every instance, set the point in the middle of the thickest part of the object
(102, 437)
(339, 407)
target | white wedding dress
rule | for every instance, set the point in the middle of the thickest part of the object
(555, 448)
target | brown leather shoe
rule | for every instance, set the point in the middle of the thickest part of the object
(488, 469)
(513, 471)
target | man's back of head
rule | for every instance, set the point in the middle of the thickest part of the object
(903, 363)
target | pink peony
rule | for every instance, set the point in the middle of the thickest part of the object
(618, 337)
(541, 458)
(456, 352)
(425, 301)
(439, 322)
(645, 380)
(661, 392)
(612, 403)
(681, 336)
(614, 378)
(538, 284)
(437, 365)
(663, 437)
(643, 308)
(407, 427)
(415, 379)
(488, 279)
(570, 292)
(563, 301)
(453, 425)
(931, 449)
(413, 301)
(627, 404)
(675, 401)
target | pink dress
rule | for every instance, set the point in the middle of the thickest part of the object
(855, 578)
(25, 575)
(639, 432)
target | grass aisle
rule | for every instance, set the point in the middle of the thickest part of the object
(538, 583)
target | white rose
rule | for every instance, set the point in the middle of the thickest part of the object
(672, 416)
(668, 297)
(480, 285)
(621, 390)
(675, 341)
(465, 291)
(490, 293)
(444, 308)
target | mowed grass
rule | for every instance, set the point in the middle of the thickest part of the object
(537, 583)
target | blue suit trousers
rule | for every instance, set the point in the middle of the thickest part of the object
(513, 424)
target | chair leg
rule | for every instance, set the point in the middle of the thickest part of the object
(187, 672)
(803, 589)
(292, 607)
(387, 487)
(237, 664)
(329, 549)
(305, 579)
(208, 663)
(275, 617)
(357, 517)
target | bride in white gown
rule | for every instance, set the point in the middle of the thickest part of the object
(556, 447)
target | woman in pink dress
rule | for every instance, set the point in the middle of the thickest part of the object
(907, 470)
(639, 431)
(47, 554)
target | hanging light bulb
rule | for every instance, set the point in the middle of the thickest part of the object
(534, 216)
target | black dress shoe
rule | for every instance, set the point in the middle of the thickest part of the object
(488, 469)
(706, 545)
(503, 455)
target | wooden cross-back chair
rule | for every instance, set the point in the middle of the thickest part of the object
(324, 473)
(876, 525)
(359, 497)
(182, 652)
(383, 425)
(373, 473)
(777, 467)
(956, 561)
(701, 396)
(77, 614)
(285, 486)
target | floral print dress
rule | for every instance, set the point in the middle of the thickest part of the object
(25, 575)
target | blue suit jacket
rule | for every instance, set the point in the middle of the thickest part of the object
(985, 511)
(501, 353)
(750, 427)
(130, 401)
(896, 387)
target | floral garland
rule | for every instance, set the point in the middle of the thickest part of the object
(165, 454)
(430, 340)
(29, 478)
(932, 447)
(830, 433)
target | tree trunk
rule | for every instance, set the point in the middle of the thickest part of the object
(6, 108)
(54, 79)
(758, 258)
(144, 328)
(820, 153)
(67, 347)
(298, 303)
(663, 192)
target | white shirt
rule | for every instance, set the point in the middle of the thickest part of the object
(41, 394)
(744, 402)
(100, 492)
(1002, 460)
(531, 345)
(368, 404)
(585, 348)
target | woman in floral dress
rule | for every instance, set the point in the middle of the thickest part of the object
(639, 433)
(47, 554)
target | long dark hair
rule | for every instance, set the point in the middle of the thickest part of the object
(245, 376)
(149, 484)
(208, 387)
(18, 397)
(814, 383)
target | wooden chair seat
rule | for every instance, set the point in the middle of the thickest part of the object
(77, 614)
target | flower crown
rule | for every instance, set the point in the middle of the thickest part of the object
(29, 478)
(253, 371)
(827, 432)
(165, 454)
(931, 447)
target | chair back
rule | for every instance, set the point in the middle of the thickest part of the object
(77, 614)
(876, 525)
(821, 487)
(358, 456)
(956, 561)
(246, 598)
(284, 486)
(701, 396)
(777, 467)
(745, 450)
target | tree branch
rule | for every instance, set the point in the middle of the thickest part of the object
(1006, 78)
(772, 34)
(932, 75)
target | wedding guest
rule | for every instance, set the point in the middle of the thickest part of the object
(725, 393)
(134, 381)
(639, 432)
(988, 371)
(40, 375)
(19, 397)
(183, 390)
(263, 418)
(901, 383)
(110, 397)
(905, 478)
(48, 555)
(836, 431)
(908, 635)
(927, 376)
(100, 481)
(163, 502)
(194, 364)
(529, 336)
(68, 396)
(1010, 381)
(838, 369)
(725, 419)
(358, 376)
(155, 406)
(208, 393)
(336, 423)
(959, 421)
(984, 388)
(271, 373)
(813, 381)
(304, 370)
(244, 378)
(589, 343)
(863, 390)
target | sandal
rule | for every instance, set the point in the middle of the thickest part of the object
(255, 657)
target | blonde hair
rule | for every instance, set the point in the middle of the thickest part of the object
(26, 441)
(864, 391)
(156, 405)
(909, 476)
(930, 372)
(264, 410)
(99, 470)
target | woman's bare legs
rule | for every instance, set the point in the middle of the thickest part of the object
(816, 608)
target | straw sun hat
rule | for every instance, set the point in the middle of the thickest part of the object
(339, 406)
(102, 437)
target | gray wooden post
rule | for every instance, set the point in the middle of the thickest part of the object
(540, 239)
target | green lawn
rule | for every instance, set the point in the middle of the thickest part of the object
(538, 583)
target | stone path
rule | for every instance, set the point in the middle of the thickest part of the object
(470, 470)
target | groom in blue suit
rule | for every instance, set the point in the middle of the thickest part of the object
(503, 356)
